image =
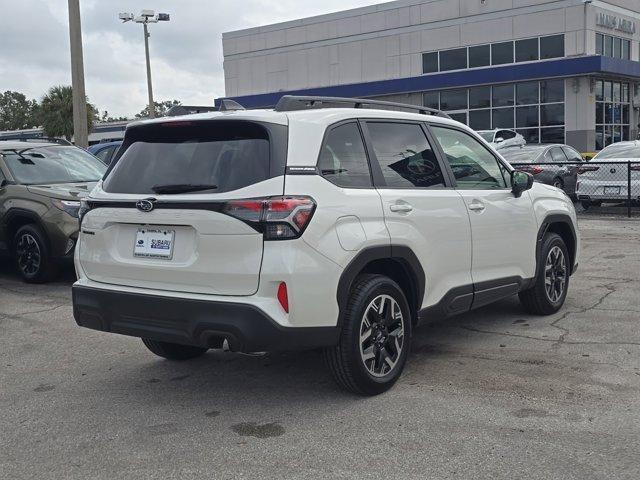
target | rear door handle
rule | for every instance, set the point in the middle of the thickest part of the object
(401, 208)
(476, 206)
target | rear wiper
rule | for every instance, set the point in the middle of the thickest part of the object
(181, 188)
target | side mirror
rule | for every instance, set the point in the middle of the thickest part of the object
(520, 182)
(499, 140)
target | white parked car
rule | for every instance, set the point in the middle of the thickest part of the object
(606, 177)
(313, 226)
(501, 138)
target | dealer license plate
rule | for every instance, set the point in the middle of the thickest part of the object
(154, 243)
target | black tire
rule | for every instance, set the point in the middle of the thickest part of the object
(537, 299)
(32, 255)
(558, 183)
(346, 360)
(174, 351)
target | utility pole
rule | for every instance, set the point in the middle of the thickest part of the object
(80, 129)
(145, 18)
(152, 105)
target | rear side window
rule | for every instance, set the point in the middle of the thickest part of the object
(343, 159)
(227, 155)
(405, 156)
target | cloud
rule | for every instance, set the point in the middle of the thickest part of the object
(186, 53)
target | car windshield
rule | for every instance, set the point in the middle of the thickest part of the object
(628, 150)
(55, 164)
(488, 136)
(521, 155)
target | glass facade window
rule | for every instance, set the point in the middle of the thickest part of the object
(615, 47)
(527, 50)
(551, 46)
(534, 109)
(455, 59)
(501, 53)
(479, 56)
(612, 112)
(430, 62)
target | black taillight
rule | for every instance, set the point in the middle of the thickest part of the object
(279, 218)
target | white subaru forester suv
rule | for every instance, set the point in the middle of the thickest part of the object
(324, 223)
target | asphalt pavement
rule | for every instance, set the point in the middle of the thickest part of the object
(493, 394)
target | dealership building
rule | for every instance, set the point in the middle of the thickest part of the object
(563, 71)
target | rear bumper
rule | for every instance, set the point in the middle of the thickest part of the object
(192, 322)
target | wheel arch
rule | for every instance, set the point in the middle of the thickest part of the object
(397, 262)
(562, 225)
(16, 218)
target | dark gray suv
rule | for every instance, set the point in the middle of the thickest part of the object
(41, 185)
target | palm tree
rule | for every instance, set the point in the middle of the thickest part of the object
(57, 112)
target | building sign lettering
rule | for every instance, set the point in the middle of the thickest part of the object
(615, 23)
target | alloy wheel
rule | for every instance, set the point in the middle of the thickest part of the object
(381, 335)
(555, 274)
(29, 255)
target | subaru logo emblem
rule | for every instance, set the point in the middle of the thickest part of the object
(145, 205)
(613, 170)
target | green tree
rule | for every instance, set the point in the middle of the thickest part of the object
(17, 112)
(57, 112)
(161, 108)
(105, 117)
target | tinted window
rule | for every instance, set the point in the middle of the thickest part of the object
(431, 99)
(502, 118)
(506, 134)
(105, 154)
(45, 165)
(552, 135)
(572, 155)
(599, 44)
(527, 93)
(453, 59)
(552, 114)
(557, 155)
(527, 50)
(405, 156)
(502, 53)
(502, 95)
(552, 91)
(552, 47)
(453, 100)
(343, 159)
(480, 97)
(226, 154)
(430, 62)
(480, 119)
(527, 116)
(479, 56)
(474, 167)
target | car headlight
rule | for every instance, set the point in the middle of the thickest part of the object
(72, 207)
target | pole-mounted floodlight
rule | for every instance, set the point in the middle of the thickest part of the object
(145, 18)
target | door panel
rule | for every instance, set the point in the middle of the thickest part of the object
(504, 228)
(420, 210)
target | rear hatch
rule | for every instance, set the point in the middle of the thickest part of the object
(166, 216)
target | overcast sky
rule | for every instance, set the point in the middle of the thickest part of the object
(186, 53)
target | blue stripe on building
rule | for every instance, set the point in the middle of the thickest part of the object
(565, 67)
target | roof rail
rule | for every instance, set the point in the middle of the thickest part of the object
(289, 103)
(59, 141)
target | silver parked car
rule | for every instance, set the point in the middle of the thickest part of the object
(502, 138)
(547, 163)
(608, 176)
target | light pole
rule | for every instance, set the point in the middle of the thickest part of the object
(80, 129)
(145, 18)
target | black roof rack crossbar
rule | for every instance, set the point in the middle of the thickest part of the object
(290, 103)
(226, 105)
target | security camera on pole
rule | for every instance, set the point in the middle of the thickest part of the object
(145, 18)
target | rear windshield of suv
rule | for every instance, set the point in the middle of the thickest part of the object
(173, 156)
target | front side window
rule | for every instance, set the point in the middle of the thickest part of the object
(56, 164)
(405, 156)
(343, 159)
(473, 166)
(572, 155)
(557, 155)
(105, 154)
